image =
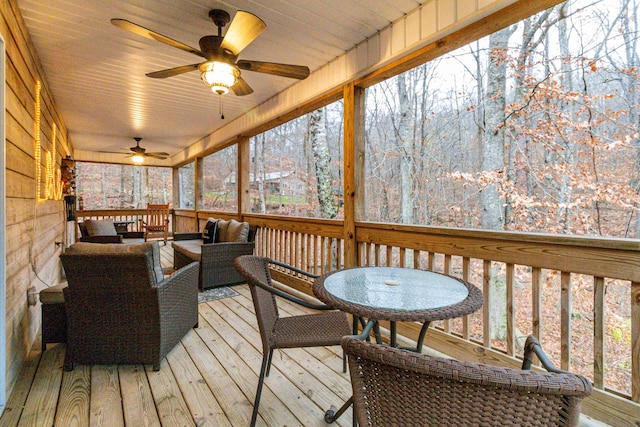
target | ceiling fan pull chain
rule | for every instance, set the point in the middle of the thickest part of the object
(221, 107)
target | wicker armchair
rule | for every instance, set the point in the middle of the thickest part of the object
(311, 330)
(393, 387)
(119, 307)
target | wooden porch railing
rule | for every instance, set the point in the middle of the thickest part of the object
(532, 284)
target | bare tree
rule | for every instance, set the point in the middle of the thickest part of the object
(322, 159)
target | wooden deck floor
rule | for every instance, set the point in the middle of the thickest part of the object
(209, 379)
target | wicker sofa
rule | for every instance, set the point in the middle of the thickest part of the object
(120, 308)
(104, 231)
(216, 258)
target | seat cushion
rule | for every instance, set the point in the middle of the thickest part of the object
(132, 240)
(189, 248)
(53, 295)
(150, 249)
(102, 227)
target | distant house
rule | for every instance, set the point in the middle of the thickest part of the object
(286, 183)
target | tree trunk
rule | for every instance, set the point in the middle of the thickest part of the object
(404, 134)
(493, 150)
(565, 189)
(322, 160)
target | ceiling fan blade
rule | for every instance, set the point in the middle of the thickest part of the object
(160, 156)
(244, 28)
(241, 88)
(145, 32)
(285, 70)
(172, 71)
(157, 153)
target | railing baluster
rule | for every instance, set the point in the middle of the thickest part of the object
(635, 340)
(416, 259)
(314, 253)
(389, 253)
(536, 303)
(323, 254)
(430, 261)
(466, 262)
(403, 259)
(486, 307)
(447, 270)
(598, 332)
(293, 248)
(510, 311)
(331, 255)
(367, 254)
(306, 247)
(377, 255)
(565, 320)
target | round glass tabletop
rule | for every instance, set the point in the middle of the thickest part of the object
(395, 288)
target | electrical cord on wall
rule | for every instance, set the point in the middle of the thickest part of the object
(32, 260)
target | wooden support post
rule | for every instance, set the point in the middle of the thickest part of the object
(244, 165)
(198, 186)
(176, 199)
(353, 169)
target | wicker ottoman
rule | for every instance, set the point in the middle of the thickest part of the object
(54, 317)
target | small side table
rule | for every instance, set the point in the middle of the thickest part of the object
(122, 226)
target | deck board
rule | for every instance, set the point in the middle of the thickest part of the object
(209, 378)
(105, 407)
(73, 404)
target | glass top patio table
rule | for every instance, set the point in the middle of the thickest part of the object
(397, 294)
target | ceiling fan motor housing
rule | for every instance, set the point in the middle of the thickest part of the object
(219, 17)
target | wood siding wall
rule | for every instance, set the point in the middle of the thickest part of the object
(33, 227)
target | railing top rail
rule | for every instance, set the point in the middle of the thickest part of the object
(109, 212)
(551, 239)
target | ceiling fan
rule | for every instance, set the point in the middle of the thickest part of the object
(138, 153)
(221, 69)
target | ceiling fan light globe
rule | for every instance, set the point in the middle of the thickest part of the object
(219, 76)
(137, 159)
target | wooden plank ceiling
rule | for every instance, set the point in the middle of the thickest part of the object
(96, 71)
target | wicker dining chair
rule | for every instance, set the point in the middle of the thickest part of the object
(310, 330)
(393, 387)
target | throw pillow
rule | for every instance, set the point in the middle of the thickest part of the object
(83, 229)
(237, 231)
(221, 232)
(209, 233)
(103, 227)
